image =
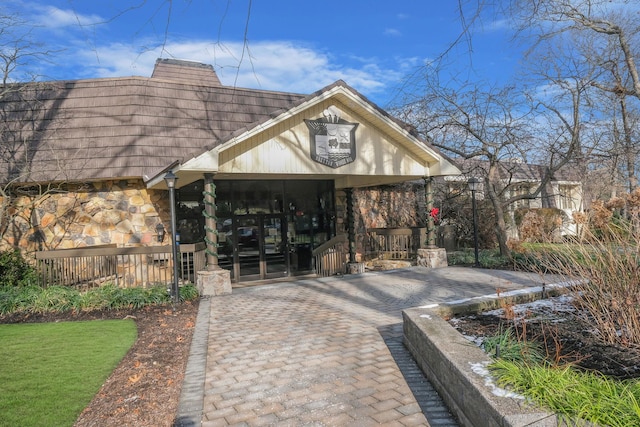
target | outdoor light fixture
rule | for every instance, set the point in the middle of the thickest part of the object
(170, 179)
(161, 232)
(474, 185)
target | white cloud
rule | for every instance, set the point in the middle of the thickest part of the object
(53, 17)
(498, 25)
(271, 65)
(392, 32)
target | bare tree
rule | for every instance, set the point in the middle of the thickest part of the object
(606, 24)
(603, 35)
(488, 127)
(21, 117)
(494, 131)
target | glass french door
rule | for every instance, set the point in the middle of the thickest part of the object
(261, 247)
(269, 228)
(275, 246)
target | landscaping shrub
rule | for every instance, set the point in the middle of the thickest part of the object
(571, 393)
(15, 270)
(35, 299)
(508, 347)
(487, 258)
(605, 265)
(539, 225)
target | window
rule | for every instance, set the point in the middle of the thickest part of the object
(521, 190)
(566, 196)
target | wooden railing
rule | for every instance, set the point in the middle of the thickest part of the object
(394, 243)
(331, 257)
(126, 267)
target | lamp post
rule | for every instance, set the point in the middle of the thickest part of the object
(170, 179)
(474, 184)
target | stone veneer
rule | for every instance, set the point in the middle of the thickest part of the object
(125, 213)
(388, 206)
(121, 212)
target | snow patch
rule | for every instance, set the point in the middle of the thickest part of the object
(481, 369)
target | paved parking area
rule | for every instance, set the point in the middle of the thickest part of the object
(322, 352)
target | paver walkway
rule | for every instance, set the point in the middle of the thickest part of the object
(322, 352)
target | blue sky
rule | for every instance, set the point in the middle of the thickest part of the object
(295, 46)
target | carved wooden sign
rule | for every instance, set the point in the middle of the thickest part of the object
(333, 140)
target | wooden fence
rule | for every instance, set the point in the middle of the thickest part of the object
(330, 258)
(394, 243)
(126, 267)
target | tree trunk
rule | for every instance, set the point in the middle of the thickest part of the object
(500, 224)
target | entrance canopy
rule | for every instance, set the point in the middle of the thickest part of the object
(333, 134)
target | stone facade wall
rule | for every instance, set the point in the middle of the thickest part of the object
(388, 206)
(126, 213)
(121, 212)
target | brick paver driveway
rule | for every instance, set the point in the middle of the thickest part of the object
(319, 351)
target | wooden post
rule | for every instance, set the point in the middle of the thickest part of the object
(351, 225)
(210, 222)
(431, 224)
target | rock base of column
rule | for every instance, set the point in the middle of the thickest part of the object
(355, 267)
(432, 258)
(215, 282)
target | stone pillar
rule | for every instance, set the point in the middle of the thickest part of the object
(210, 222)
(214, 280)
(430, 221)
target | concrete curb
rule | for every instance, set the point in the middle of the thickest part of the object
(447, 359)
(191, 402)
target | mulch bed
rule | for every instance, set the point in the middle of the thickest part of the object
(144, 390)
(568, 341)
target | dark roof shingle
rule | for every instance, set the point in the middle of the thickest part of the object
(125, 127)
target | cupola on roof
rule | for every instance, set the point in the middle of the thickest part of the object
(186, 72)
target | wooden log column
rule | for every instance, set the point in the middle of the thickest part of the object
(210, 222)
(431, 223)
(214, 280)
(431, 256)
(351, 225)
(353, 267)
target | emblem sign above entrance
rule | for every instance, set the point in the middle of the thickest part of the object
(333, 140)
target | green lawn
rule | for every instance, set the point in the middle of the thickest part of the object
(49, 372)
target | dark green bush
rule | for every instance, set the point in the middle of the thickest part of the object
(35, 299)
(15, 270)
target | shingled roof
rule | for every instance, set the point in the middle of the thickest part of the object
(124, 127)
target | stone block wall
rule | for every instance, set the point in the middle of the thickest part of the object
(388, 206)
(121, 212)
(126, 213)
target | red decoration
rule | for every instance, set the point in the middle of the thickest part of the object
(434, 214)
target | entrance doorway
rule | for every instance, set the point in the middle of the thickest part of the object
(268, 229)
(261, 251)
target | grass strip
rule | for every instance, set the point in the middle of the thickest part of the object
(574, 394)
(51, 371)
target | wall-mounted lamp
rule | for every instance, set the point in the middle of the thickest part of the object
(161, 232)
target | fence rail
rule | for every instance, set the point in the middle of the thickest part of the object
(394, 243)
(331, 257)
(126, 267)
